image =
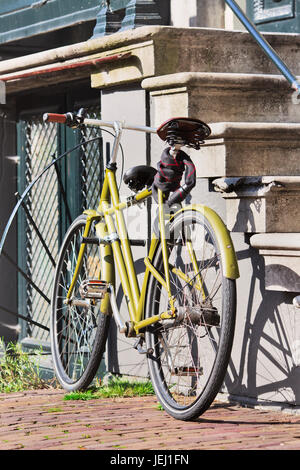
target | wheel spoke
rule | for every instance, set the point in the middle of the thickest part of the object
(185, 349)
(79, 333)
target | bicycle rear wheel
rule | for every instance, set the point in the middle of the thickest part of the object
(78, 334)
(188, 356)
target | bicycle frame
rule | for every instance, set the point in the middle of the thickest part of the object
(113, 240)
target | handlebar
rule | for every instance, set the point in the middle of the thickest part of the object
(70, 119)
(78, 119)
(191, 133)
(52, 117)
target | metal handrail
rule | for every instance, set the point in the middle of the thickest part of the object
(269, 51)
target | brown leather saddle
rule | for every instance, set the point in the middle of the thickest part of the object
(184, 131)
(179, 130)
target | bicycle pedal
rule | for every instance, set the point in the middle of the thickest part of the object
(187, 371)
(93, 289)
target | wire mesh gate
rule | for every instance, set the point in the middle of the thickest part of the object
(49, 209)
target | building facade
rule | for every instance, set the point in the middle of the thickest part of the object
(192, 60)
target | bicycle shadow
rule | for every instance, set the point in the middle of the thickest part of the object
(232, 408)
(269, 361)
(266, 369)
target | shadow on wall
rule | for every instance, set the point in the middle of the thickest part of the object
(269, 367)
(280, 275)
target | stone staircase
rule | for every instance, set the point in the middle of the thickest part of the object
(255, 121)
(248, 171)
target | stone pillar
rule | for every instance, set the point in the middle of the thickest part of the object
(205, 13)
(210, 14)
(268, 206)
(198, 13)
(127, 105)
(231, 21)
(119, 15)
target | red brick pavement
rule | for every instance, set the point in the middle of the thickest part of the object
(43, 420)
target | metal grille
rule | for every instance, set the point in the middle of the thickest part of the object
(42, 222)
(43, 212)
(92, 174)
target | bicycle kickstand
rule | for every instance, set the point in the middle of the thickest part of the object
(138, 345)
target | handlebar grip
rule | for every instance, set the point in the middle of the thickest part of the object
(52, 117)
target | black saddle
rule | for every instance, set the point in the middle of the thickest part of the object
(139, 177)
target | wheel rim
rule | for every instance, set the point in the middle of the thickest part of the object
(74, 327)
(185, 350)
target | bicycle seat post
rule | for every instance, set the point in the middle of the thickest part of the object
(175, 149)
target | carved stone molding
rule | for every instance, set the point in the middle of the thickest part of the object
(261, 204)
(281, 252)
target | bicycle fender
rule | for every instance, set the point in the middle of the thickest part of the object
(228, 255)
(107, 265)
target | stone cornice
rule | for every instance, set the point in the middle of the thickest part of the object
(169, 50)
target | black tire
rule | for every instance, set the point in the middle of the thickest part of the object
(188, 357)
(78, 334)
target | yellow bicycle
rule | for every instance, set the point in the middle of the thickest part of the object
(183, 314)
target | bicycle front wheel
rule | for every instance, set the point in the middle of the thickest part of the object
(188, 356)
(78, 333)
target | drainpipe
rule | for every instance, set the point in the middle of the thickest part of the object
(269, 51)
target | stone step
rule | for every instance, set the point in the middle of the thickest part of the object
(154, 51)
(219, 50)
(163, 50)
(218, 97)
(250, 149)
